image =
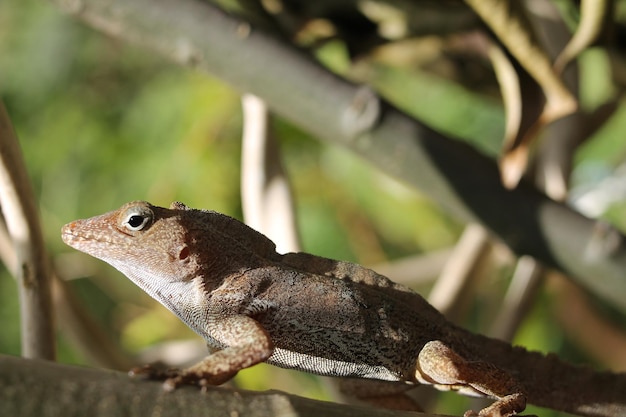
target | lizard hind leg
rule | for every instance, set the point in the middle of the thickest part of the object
(441, 366)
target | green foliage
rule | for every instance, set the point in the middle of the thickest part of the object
(444, 105)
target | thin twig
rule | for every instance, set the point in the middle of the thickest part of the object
(455, 276)
(553, 157)
(265, 191)
(593, 15)
(522, 291)
(417, 269)
(31, 264)
(510, 23)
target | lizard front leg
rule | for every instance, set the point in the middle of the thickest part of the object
(441, 366)
(247, 343)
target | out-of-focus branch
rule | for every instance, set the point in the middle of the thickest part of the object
(455, 277)
(462, 180)
(417, 269)
(509, 21)
(550, 171)
(593, 15)
(582, 322)
(553, 158)
(265, 191)
(31, 264)
(518, 299)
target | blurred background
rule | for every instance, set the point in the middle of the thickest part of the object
(102, 122)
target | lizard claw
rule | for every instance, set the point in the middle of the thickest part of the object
(189, 378)
(472, 413)
(170, 384)
(154, 373)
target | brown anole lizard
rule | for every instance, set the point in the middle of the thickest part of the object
(300, 311)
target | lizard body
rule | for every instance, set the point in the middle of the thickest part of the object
(300, 311)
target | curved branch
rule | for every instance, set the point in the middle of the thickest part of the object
(462, 180)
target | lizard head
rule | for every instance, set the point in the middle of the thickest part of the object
(169, 252)
(148, 244)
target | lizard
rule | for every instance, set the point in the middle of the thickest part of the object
(251, 304)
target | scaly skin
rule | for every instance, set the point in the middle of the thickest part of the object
(300, 311)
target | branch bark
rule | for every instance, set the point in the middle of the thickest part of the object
(465, 182)
(34, 388)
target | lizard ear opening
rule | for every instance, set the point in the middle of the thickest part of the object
(184, 253)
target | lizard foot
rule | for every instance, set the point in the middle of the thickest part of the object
(173, 378)
(507, 406)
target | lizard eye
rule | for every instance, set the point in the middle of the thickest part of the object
(136, 222)
(137, 218)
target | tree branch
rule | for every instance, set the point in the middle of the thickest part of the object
(465, 182)
(34, 388)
